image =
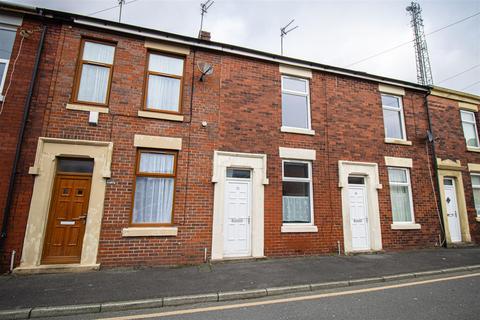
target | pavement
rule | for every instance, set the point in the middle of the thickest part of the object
(220, 279)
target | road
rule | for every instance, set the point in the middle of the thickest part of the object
(447, 297)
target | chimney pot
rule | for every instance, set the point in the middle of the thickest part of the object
(204, 35)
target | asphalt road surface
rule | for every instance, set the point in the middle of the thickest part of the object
(447, 297)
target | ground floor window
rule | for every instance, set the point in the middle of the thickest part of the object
(154, 187)
(476, 192)
(401, 195)
(297, 192)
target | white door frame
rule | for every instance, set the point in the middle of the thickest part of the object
(249, 216)
(372, 183)
(365, 204)
(257, 163)
(454, 193)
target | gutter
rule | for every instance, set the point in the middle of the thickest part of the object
(245, 52)
(435, 168)
(205, 44)
(26, 111)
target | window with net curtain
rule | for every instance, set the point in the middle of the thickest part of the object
(400, 195)
(154, 188)
(393, 117)
(297, 189)
(95, 72)
(469, 125)
(164, 82)
(476, 192)
(7, 37)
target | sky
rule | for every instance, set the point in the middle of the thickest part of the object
(337, 33)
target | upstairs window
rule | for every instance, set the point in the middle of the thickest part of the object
(295, 103)
(469, 128)
(476, 192)
(7, 37)
(164, 83)
(154, 188)
(94, 73)
(393, 117)
(297, 192)
(401, 195)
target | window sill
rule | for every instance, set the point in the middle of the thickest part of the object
(473, 149)
(81, 107)
(406, 226)
(298, 228)
(159, 115)
(398, 141)
(149, 231)
(477, 218)
(298, 130)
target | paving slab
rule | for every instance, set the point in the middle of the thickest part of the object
(116, 285)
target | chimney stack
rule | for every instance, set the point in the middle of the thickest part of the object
(204, 35)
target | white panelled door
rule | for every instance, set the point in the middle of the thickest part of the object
(357, 199)
(452, 210)
(237, 225)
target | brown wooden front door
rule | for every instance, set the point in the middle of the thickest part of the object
(67, 218)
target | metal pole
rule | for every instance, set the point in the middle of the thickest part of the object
(281, 44)
(121, 6)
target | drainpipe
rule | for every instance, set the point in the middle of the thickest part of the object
(26, 111)
(431, 138)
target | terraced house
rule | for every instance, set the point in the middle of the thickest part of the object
(127, 146)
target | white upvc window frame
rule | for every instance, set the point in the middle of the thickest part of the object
(474, 122)
(475, 186)
(309, 180)
(402, 116)
(6, 61)
(4, 77)
(407, 184)
(301, 94)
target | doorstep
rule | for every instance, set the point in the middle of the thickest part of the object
(56, 268)
(460, 244)
(237, 259)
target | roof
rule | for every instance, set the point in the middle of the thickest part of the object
(200, 43)
(455, 95)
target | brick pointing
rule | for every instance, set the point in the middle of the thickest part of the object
(447, 127)
(241, 103)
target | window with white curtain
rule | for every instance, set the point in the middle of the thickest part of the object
(469, 125)
(7, 37)
(297, 192)
(164, 83)
(401, 195)
(154, 188)
(476, 192)
(295, 103)
(393, 117)
(95, 72)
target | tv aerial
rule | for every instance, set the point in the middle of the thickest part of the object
(283, 32)
(204, 9)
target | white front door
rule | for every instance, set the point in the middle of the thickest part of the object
(452, 210)
(237, 225)
(357, 199)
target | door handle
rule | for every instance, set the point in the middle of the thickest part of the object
(82, 217)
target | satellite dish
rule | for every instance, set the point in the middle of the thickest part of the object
(205, 68)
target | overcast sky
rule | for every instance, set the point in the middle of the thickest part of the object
(337, 33)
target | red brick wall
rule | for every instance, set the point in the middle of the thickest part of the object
(450, 144)
(242, 105)
(10, 122)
